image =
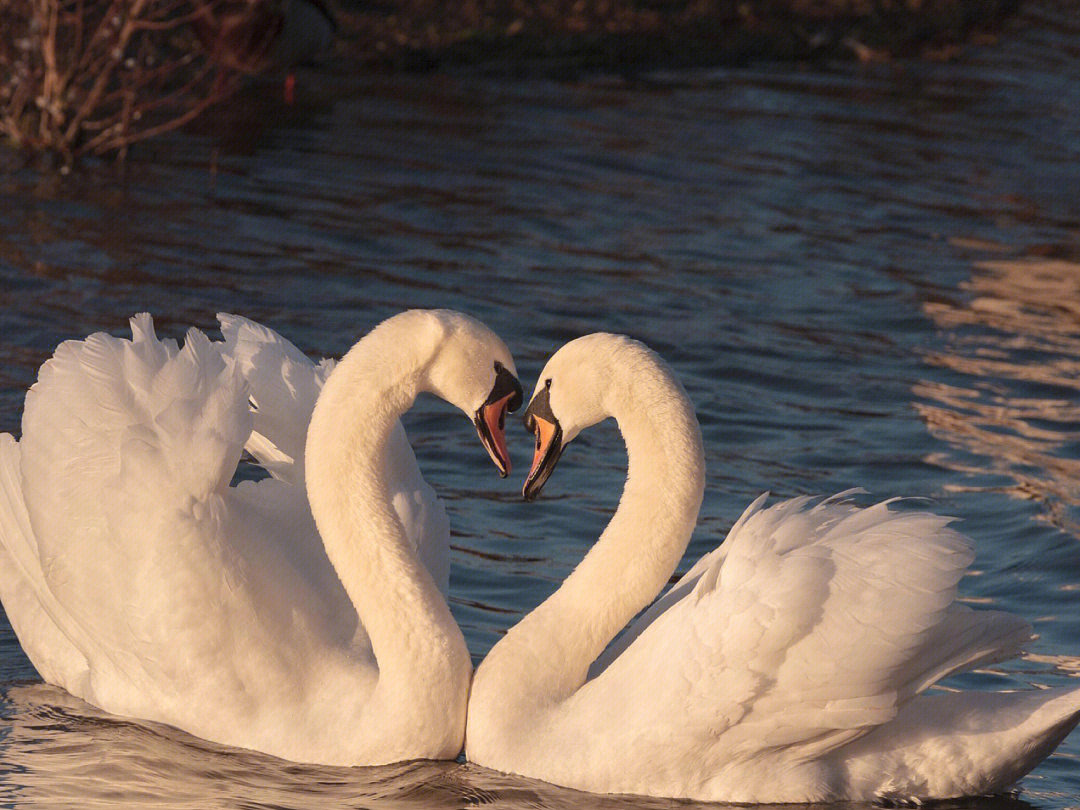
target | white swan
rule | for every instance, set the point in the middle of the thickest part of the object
(140, 581)
(283, 386)
(785, 666)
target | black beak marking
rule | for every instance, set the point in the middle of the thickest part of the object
(506, 395)
(539, 419)
(506, 383)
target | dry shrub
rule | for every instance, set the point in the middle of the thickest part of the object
(84, 77)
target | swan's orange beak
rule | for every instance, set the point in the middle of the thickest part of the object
(491, 427)
(549, 446)
(490, 419)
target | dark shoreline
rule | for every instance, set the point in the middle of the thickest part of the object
(153, 74)
(562, 37)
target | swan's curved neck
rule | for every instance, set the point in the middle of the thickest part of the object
(548, 654)
(407, 620)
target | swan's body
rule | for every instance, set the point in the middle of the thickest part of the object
(139, 580)
(785, 666)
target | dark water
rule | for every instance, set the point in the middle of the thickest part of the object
(865, 276)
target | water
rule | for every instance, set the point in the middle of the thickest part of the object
(865, 276)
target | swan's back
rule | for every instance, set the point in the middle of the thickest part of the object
(840, 615)
(172, 586)
(813, 625)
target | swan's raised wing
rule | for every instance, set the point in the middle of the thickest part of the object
(43, 626)
(813, 626)
(128, 449)
(284, 386)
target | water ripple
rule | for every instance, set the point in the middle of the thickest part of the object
(864, 275)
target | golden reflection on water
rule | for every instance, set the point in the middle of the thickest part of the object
(56, 751)
(1067, 664)
(1015, 339)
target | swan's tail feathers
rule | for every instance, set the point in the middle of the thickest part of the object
(284, 386)
(960, 743)
(27, 601)
(963, 640)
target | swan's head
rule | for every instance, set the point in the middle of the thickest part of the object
(471, 368)
(572, 394)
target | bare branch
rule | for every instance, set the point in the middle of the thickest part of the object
(82, 76)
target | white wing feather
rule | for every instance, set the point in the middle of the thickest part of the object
(811, 625)
(284, 386)
(127, 452)
(34, 614)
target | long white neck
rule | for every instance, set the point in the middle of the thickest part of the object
(546, 657)
(416, 642)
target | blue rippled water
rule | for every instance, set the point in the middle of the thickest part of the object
(865, 276)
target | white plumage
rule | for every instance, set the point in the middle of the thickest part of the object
(283, 385)
(138, 579)
(785, 666)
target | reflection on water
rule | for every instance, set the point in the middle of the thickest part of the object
(1013, 412)
(58, 751)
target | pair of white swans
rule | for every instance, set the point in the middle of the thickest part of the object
(785, 666)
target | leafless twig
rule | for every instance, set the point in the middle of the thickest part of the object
(95, 76)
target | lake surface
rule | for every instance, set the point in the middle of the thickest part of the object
(866, 276)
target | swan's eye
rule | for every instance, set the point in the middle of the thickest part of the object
(547, 383)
